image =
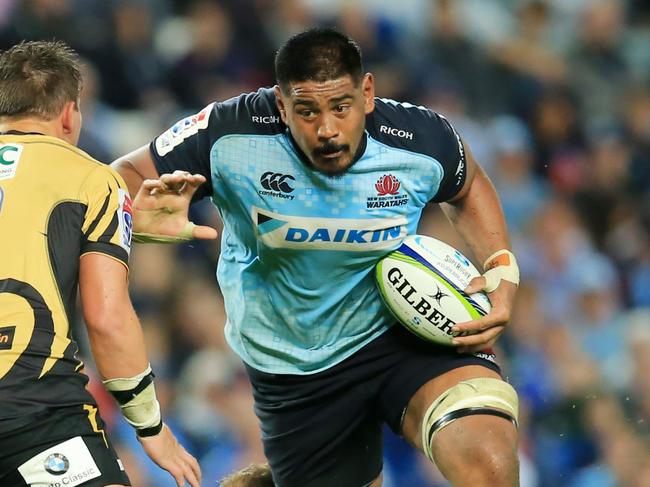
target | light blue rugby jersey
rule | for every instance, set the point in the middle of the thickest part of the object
(298, 247)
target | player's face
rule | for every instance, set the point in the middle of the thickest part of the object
(327, 119)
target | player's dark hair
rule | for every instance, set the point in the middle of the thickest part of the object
(318, 55)
(37, 78)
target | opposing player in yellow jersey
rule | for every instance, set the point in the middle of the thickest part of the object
(65, 220)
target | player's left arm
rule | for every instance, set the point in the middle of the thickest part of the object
(476, 214)
(161, 202)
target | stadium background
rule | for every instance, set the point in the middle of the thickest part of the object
(554, 99)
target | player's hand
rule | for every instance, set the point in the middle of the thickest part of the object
(168, 453)
(484, 331)
(161, 207)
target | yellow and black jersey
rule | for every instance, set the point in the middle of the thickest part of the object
(56, 204)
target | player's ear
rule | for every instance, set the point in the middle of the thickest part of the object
(68, 117)
(280, 103)
(368, 90)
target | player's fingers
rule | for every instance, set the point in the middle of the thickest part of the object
(149, 184)
(475, 285)
(174, 182)
(177, 473)
(478, 339)
(194, 465)
(497, 316)
(149, 187)
(189, 475)
(196, 179)
(203, 232)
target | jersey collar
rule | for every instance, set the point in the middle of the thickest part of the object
(18, 132)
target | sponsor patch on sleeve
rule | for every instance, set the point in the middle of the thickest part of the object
(125, 220)
(67, 464)
(183, 129)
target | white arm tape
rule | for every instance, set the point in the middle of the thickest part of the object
(502, 265)
(143, 410)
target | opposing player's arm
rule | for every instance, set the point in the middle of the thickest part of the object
(135, 167)
(161, 204)
(476, 213)
(166, 176)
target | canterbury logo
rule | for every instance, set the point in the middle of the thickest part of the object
(275, 181)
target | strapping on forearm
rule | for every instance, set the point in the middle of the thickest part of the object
(137, 399)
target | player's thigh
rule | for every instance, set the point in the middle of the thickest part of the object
(67, 447)
(471, 418)
(318, 430)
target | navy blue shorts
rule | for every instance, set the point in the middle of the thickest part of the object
(325, 429)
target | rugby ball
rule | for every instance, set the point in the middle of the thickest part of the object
(422, 284)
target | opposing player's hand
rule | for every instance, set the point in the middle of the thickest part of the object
(168, 453)
(161, 208)
(485, 331)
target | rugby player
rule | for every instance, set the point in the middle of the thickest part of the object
(65, 220)
(315, 180)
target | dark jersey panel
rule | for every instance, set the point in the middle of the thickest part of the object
(420, 130)
(64, 223)
(186, 145)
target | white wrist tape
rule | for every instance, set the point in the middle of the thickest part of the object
(137, 398)
(501, 265)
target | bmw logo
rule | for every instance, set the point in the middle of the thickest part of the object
(56, 464)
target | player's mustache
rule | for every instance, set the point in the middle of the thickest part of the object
(330, 148)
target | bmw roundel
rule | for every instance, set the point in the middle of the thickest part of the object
(56, 464)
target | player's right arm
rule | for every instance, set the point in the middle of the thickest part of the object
(114, 332)
(118, 347)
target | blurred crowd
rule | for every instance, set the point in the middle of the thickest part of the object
(552, 96)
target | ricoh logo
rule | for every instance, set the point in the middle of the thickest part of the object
(298, 232)
(276, 184)
(402, 134)
(266, 120)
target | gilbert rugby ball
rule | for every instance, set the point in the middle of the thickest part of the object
(422, 284)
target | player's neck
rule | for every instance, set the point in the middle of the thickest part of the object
(31, 126)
